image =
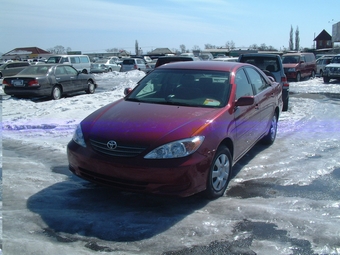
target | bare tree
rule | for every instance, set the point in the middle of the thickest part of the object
(230, 45)
(209, 46)
(183, 48)
(297, 39)
(291, 43)
(59, 49)
(196, 47)
(112, 50)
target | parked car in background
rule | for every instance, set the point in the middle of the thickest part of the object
(299, 65)
(226, 59)
(49, 80)
(130, 64)
(12, 68)
(98, 68)
(321, 63)
(80, 62)
(332, 70)
(271, 65)
(170, 59)
(111, 64)
(180, 130)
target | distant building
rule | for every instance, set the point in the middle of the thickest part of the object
(323, 40)
(25, 53)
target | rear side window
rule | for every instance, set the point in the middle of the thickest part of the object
(256, 80)
(84, 59)
(75, 60)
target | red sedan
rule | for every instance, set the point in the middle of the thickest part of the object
(180, 130)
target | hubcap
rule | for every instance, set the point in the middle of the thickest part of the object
(220, 172)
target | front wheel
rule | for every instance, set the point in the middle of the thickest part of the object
(326, 79)
(219, 173)
(56, 93)
(298, 77)
(90, 87)
(269, 138)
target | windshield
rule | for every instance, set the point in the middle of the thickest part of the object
(35, 70)
(199, 88)
(290, 59)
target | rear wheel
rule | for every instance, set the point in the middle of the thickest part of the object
(326, 79)
(90, 87)
(285, 104)
(56, 92)
(219, 173)
(271, 135)
(312, 74)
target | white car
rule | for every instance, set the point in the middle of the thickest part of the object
(332, 70)
(110, 63)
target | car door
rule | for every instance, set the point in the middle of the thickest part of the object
(78, 81)
(245, 117)
(264, 98)
(63, 78)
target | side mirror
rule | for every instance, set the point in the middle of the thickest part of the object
(127, 91)
(244, 101)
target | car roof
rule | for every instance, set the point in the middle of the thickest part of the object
(267, 55)
(204, 65)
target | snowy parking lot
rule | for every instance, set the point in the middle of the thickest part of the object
(282, 199)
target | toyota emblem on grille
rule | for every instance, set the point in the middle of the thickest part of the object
(111, 145)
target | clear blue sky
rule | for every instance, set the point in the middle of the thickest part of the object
(97, 25)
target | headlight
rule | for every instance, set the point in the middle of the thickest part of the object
(78, 136)
(176, 149)
(291, 69)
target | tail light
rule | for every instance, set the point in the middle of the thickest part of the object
(135, 67)
(284, 81)
(6, 83)
(33, 83)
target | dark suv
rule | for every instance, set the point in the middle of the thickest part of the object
(271, 65)
(169, 59)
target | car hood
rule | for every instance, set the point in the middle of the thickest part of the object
(290, 65)
(333, 65)
(144, 123)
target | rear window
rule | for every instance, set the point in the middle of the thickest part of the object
(128, 62)
(264, 63)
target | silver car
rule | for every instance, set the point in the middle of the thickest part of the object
(130, 64)
(12, 68)
(321, 63)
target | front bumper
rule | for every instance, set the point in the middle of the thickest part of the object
(182, 177)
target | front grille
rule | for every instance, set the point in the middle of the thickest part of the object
(112, 181)
(121, 150)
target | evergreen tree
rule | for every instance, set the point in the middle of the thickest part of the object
(291, 43)
(297, 39)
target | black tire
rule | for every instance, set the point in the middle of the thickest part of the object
(312, 74)
(90, 87)
(326, 79)
(219, 173)
(285, 104)
(269, 138)
(84, 71)
(298, 77)
(321, 73)
(56, 92)
(110, 70)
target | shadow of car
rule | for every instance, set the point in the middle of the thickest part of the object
(49, 80)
